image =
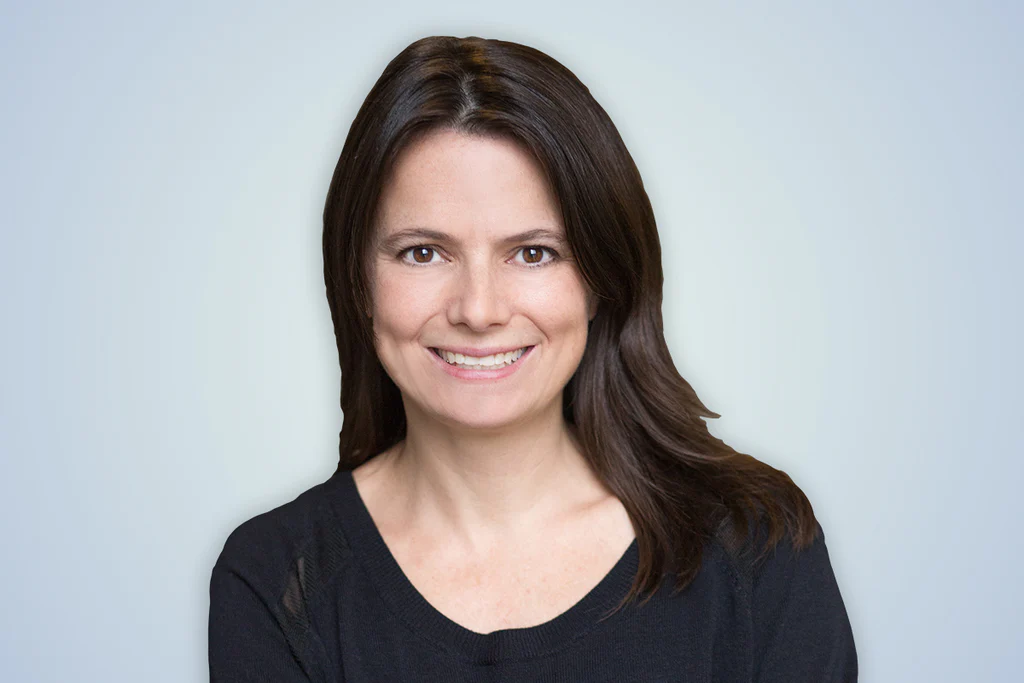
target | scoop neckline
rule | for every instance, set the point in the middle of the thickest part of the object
(503, 645)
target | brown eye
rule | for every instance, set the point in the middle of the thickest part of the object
(533, 256)
(421, 254)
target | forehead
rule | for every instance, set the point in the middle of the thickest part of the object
(452, 180)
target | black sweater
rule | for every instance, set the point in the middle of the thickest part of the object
(310, 592)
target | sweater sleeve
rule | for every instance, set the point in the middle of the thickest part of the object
(800, 625)
(247, 642)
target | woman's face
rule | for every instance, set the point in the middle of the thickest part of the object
(477, 285)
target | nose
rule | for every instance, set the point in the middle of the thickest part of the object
(480, 297)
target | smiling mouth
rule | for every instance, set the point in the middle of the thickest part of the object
(477, 366)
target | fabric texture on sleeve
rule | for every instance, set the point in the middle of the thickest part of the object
(257, 639)
(800, 625)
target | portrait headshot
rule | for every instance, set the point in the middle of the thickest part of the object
(539, 343)
(519, 457)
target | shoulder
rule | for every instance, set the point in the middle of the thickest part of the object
(298, 540)
(267, 592)
(762, 556)
(796, 618)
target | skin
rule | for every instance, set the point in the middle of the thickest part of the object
(490, 474)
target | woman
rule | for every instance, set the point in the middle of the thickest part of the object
(557, 511)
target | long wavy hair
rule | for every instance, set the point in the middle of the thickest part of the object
(639, 423)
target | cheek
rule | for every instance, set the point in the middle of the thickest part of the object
(562, 301)
(392, 333)
(560, 312)
(396, 319)
(393, 301)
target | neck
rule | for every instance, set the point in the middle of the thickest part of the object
(486, 490)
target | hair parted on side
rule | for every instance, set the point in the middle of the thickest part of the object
(639, 423)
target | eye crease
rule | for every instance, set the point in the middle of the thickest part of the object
(538, 247)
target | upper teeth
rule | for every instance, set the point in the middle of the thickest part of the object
(495, 359)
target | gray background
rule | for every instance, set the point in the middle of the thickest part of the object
(837, 191)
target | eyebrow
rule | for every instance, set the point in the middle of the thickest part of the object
(392, 241)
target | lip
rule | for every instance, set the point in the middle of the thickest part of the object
(480, 353)
(499, 373)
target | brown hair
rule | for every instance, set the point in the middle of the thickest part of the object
(639, 422)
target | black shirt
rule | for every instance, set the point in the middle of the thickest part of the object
(309, 591)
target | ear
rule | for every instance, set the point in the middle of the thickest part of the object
(592, 302)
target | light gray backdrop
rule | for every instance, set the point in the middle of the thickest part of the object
(837, 188)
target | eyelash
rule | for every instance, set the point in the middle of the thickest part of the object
(555, 254)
